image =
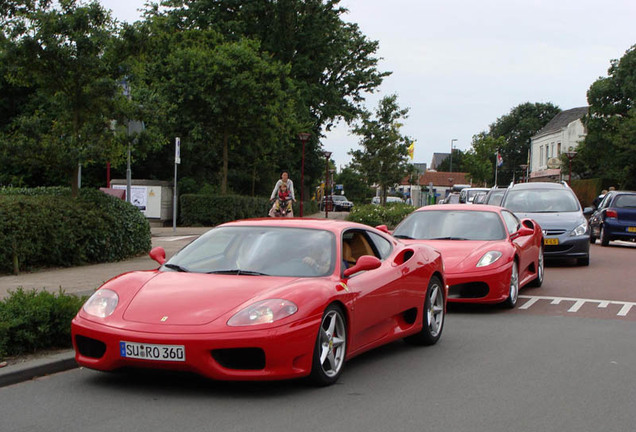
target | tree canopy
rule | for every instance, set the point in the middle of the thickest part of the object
(609, 149)
(383, 159)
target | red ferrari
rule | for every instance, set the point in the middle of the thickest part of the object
(488, 252)
(266, 299)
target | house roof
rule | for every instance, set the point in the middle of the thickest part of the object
(441, 178)
(561, 120)
(437, 159)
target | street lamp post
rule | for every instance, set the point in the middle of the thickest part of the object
(451, 154)
(571, 154)
(304, 137)
(327, 156)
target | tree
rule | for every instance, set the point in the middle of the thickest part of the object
(354, 186)
(61, 55)
(480, 160)
(384, 158)
(609, 149)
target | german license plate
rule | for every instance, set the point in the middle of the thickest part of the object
(152, 351)
(551, 241)
(631, 229)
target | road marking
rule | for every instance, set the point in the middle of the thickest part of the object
(171, 239)
(578, 303)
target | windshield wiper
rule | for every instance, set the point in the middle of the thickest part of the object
(449, 238)
(238, 272)
(404, 237)
(176, 267)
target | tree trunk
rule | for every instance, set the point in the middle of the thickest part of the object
(225, 164)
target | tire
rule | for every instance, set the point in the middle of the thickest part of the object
(592, 238)
(330, 348)
(604, 237)
(433, 315)
(538, 281)
(513, 290)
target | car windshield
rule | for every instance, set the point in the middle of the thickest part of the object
(451, 225)
(264, 251)
(541, 201)
(339, 198)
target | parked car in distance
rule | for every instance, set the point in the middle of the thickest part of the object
(390, 199)
(615, 218)
(557, 209)
(488, 252)
(452, 198)
(264, 299)
(467, 195)
(339, 203)
(480, 198)
(494, 196)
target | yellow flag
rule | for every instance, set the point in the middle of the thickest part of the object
(412, 150)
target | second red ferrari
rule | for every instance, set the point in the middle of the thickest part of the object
(488, 252)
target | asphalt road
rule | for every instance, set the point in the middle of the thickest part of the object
(490, 372)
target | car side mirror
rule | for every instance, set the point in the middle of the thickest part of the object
(383, 228)
(524, 231)
(365, 262)
(158, 254)
(588, 211)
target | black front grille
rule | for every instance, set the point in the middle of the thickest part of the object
(89, 347)
(554, 232)
(468, 290)
(240, 358)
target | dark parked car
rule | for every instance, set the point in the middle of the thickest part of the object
(615, 218)
(557, 209)
(340, 203)
(494, 196)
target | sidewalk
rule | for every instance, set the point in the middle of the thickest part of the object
(84, 280)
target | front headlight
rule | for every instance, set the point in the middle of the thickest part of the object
(263, 312)
(102, 303)
(489, 258)
(579, 230)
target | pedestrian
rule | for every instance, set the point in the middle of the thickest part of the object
(284, 178)
(599, 198)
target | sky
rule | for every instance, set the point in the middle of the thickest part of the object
(459, 65)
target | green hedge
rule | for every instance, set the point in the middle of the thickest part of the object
(46, 227)
(375, 215)
(212, 210)
(31, 321)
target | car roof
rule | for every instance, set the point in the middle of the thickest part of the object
(538, 185)
(333, 225)
(461, 207)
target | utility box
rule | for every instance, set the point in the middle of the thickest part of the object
(152, 197)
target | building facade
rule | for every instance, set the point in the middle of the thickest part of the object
(563, 133)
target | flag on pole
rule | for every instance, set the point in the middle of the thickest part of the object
(412, 150)
(499, 160)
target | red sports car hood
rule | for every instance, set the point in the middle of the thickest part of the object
(461, 255)
(194, 298)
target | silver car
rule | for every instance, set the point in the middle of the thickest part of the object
(557, 209)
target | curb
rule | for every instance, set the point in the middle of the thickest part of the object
(16, 373)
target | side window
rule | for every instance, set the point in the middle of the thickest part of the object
(382, 245)
(512, 222)
(355, 243)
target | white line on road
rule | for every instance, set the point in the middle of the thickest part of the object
(578, 303)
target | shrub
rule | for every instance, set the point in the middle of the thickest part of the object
(374, 215)
(211, 210)
(42, 229)
(36, 320)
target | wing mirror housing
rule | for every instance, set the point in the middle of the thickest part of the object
(365, 262)
(158, 254)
